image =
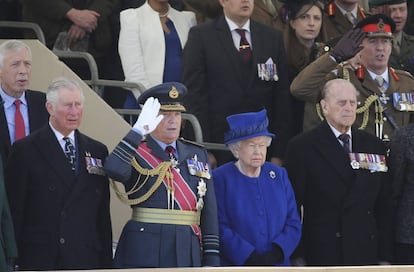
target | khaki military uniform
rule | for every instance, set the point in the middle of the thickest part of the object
(307, 85)
(262, 14)
(335, 24)
(404, 59)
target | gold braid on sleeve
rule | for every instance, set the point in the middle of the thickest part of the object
(162, 170)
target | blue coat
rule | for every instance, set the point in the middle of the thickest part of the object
(255, 213)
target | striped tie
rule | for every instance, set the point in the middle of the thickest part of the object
(70, 152)
(244, 47)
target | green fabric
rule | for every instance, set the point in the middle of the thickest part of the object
(8, 249)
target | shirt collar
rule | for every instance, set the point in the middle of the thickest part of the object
(337, 133)
(384, 75)
(9, 100)
(354, 11)
(60, 136)
(234, 26)
(164, 145)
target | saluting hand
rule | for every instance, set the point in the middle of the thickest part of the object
(149, 117)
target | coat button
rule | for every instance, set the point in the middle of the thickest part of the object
(338, 235)
(372, 237)
(62, 240)
(141, 229)
(52, 187)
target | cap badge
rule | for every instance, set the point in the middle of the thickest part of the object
(173, 93)
(381, 25)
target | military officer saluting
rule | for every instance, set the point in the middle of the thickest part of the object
(168, 185)
(361, 56)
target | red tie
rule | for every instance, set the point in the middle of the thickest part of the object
(19, 131)
(244, 47)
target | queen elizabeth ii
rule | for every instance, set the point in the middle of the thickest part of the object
(258, 219)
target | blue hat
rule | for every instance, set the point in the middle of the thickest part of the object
(169, 94)
(248, 125)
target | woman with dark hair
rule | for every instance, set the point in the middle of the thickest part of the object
(304, 22)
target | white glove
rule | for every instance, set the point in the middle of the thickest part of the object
(148, 119)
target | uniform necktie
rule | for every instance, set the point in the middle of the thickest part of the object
(395, 46)
(244, 47)
(381, 86)
(170, 151)
(350, 18)
(19, 131)
(345, 142)
(70, 152)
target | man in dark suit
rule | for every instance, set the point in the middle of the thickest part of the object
(15, 74)
(339, 176)
(168, 182)
(58, 191)
(222, 81)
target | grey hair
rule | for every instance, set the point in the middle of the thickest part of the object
(334, 82)
(235, 147)
(52, 94)
(12, 46)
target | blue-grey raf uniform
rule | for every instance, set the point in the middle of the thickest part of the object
(174, 212)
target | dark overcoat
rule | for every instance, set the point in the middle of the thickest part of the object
(61, 217)
(347, 212)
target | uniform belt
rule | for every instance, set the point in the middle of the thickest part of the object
(164, 216)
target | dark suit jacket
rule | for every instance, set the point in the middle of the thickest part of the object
(61, 220)
(347, 213)
(218, 88)
(38, 117)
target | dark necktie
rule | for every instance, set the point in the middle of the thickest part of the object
(19, 131)
(345, 140)
(170, 151)
(244, 47)
(70, 152)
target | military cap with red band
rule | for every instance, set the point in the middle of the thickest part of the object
(378, 25)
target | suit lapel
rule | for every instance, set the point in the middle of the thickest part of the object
(333, 153)
(258, 45)
(81, 171)
(156, 149)
(4, 133)
(36, 119)
(359, 175)
(49, 148)
(226, 41)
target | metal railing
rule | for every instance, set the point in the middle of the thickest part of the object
(95, 82)
(198, 134)
(25, 25)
